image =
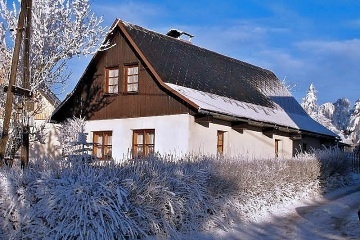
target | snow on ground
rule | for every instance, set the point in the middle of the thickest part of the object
(329, 216)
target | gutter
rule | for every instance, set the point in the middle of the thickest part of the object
(255, 123)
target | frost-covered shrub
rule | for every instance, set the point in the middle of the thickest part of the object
(169, 196)
(9, 203)
(15, 197)
(128, 201)
(157, 197)
(249, 185)
(335, 167)
(72, 137)
(82, 202)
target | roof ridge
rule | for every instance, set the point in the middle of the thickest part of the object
(137, 27)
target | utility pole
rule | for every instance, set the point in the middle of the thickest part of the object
(14, 67)
(26, 86)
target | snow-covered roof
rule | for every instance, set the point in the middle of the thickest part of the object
(221, 84)
(215, 82)
(275, 115)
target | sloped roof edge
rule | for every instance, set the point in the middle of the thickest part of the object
(119, 23)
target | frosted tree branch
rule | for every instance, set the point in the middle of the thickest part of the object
(60, 31)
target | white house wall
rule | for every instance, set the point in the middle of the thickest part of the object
(180, 134)
(171, 133)
(49, 147)
(250, 144)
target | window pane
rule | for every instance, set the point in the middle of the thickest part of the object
(149, 138)
(108, 139)
(107, 152)
(135, 70)
(133, 79)
(132, 87)
(99, 152)
(140, 151)
(113, 81)
(132, 70)
(150, 149)
(99, 139)
(113, 89)
(140, 138)
(113, 73)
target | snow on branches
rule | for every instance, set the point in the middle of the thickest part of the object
(60, 30)
(309, 101)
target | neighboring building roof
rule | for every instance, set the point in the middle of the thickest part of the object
(50, 96)
(218, 84)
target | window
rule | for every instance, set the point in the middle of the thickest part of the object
(132, 78)
(102, 145)
(112, 80)
(277, 141)
(220, 142)
(143, 142)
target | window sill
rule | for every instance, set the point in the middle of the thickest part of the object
(111, 94)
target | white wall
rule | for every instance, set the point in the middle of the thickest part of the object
(50, 147)
(171, 133)
(180, 134)
(250, 144)
(176, 135)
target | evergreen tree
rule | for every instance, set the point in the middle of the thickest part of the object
(309, 102)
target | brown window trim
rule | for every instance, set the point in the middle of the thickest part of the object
(147, 148)
(106, 148)
(220, 142)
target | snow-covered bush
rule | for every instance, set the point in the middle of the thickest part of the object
(15, 197)
(82, 201)
(249, 185)
(154, 196)
(335, 168)
(73, 139)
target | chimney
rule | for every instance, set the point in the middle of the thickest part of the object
(177, 34)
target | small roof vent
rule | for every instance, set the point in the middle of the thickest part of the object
(177, 34)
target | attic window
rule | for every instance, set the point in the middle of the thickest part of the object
(112, 80)
(132, 78)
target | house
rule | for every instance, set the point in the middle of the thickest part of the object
(44, 134)
(149, 92)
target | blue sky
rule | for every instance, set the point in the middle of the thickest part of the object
(303, 42)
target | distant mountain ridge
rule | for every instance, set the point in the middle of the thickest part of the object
(340, 117)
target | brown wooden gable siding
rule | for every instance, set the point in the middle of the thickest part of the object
(151, 99)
